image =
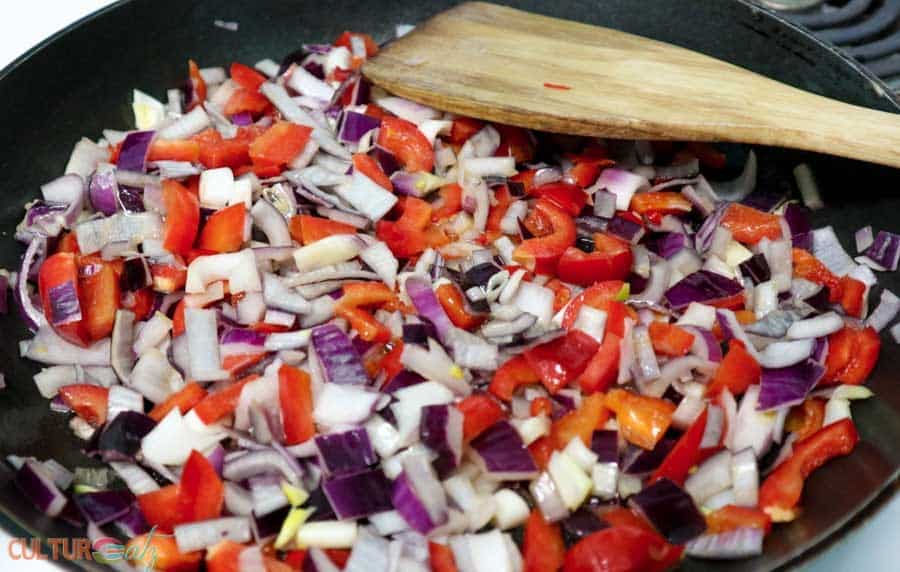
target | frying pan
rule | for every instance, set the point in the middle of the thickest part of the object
(79, 82)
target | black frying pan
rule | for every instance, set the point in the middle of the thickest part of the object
(80, 82)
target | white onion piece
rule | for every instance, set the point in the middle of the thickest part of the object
(745, 478)
(200, 535)
(885, 312)
(408, 110)
(329, 250)
(710, 478)
(699, 315)
(827, 248)
(270, 221)
(816, 327)
(382, 261)
(306, 83)
(339, 405)
(203, 344)
(191, 123)
(47, 347)
(752, 428)
(281, 297)
(153, 333)
(135, 478)
(239, 268)
(783, 354)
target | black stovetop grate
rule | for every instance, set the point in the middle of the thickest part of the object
(868, 30)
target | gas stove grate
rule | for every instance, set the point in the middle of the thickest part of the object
(868, 30)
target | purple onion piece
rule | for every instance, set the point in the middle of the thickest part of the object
(605, 444)
(701, 286)
(671, 511)
(103, 507)
(503, 454)
(358, 495)
(340, 361)
(347, 452)
(133, 154)
(756, 268)
(786, 386)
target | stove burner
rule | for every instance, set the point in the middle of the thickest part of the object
(867, 30)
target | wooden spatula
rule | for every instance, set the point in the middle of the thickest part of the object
(510, 66)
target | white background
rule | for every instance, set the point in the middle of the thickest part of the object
(874, 546)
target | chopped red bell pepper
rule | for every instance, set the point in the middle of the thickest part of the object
(543, 549)
(853, 296)
(708, 155)
(67, 242)
(201, 493)
(623, 516)
(57, 271)
(810, 268)
(246, 77)
(295, 396)
(730, 517)
(223, 556)
(480, 411)
(168, 278)
(852, 355)
(182, 217)
(541, 451)
(198, 94)
(278, 145)
(586, 170)
(441, 558)
(516, 142)
(582, 422)
(407, 143)
(453, 302)
(463, 128)
(621, 549)
(738, 371)
(670, 340)
(561, 294)
(597, 296)
(142, 302)
(359, 294)
(215, 151)
(449, 202)
(642, 420)
(511, 375)
(235, 364)
(541, 406)
(660, 203)
(806, 418)
(224, 230)
(99, 296)
(541, 254)
(603, 369)
(413, 231)
(684, 455)
(307, 229)
(245, 100)
(749, 226)
(223, 402)
(524, 178)
(174, 150)
(570, 198)
(560, 361)
(161, 508)
(780, 493)
(345, 41)
(610, 260)
(184, 399)
(371, 169)
(154, 551)
(87, 401)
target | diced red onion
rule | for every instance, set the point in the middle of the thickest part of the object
(203, 343)
(39, 489)
(621, 183)
(743, 542)
(671, 511)
(752, 428)
(864, 238)
(408, 110)
(418, 495)
(135, 147)
(503, 454)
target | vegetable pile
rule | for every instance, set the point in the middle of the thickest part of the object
(309, 325)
